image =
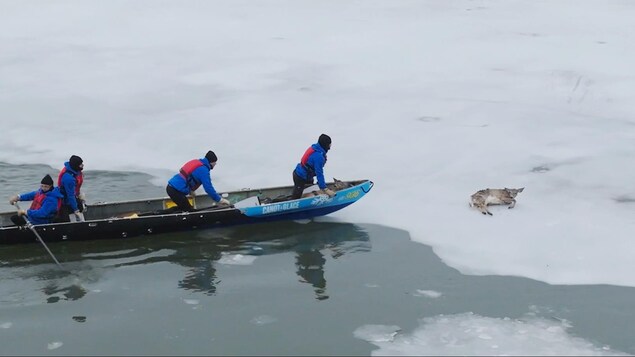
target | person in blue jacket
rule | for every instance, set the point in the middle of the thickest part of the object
(190, 177)
(312, 165)
(47, 201)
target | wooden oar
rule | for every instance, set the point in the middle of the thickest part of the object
(30, 225)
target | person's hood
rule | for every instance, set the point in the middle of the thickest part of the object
(68, 167)
(317, 147)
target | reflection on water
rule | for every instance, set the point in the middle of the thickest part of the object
(311, 269)
(72, 292)
(201, 277)
(307, 241)
(198, 252)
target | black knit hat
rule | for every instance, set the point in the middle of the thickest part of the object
(47, 180)
(325, 141)
(75, 161)
(211, 157)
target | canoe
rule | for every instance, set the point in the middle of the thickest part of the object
(126, 219)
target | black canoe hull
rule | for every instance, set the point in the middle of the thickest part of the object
(138, 225)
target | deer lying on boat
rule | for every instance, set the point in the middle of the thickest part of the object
(336, 186)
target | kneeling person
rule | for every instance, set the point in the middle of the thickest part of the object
(312, 165)
(190, 177)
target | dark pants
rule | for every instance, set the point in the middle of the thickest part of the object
(18, 220)
(63, 215)
(179, 198)
(299, 184)
(65, 211)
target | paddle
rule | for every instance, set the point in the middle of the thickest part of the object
(30, 225)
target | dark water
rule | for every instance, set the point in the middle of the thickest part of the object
(273, 289)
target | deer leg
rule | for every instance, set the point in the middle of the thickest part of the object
(483, 209)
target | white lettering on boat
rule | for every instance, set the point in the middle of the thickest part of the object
(320, 200)
(280, 207)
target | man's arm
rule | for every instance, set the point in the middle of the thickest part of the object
(202, 175)
(29, 196)
(68, 181)
(318, 166)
